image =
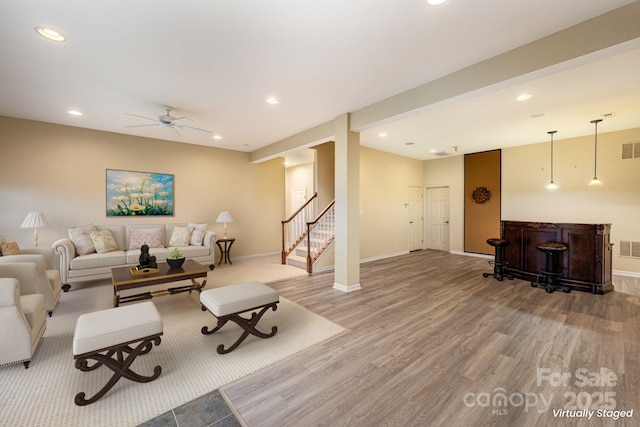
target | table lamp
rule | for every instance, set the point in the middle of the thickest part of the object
(225, 217)
(35, 220)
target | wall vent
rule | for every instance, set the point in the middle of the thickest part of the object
(629, 249)
(631, 150)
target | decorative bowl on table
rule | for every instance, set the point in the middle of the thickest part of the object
(175, 262)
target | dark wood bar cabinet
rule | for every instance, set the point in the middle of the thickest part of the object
(586, 264)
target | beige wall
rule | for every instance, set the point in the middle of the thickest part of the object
(61, 171)
(384, 190)
(299, 176)
(525, 172)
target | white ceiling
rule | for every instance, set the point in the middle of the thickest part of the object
(217, 61)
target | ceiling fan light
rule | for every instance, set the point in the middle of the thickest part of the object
(51, 34)
(551, 186)
(595, 181)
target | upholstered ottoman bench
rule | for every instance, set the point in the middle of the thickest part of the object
(132, 329)
(228, 302)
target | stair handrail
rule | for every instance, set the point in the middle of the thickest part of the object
(327, 229)
(293, 230)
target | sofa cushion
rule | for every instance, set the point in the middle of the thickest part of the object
(81, 239)
(103, 241)
(197, 236)
(9, 248)
(110, 259)
(151, 236)
(133, 256)
(180, 236)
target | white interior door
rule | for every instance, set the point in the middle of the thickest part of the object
(416, 218)
(438, 218)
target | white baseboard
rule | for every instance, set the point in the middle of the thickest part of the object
(472, 254)
(625, 273)
(345, 288)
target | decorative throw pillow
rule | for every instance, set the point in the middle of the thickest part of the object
(103, 241)
(9, 248)
(197, 236)
(180, 236)
(81, 239)
(152, 237)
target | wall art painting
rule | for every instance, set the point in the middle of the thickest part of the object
(139, 193)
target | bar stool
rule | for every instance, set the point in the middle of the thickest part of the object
(498, 263)
(550, 275)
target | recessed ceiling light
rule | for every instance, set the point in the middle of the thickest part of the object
(523, 97)
(74, 112)
(51, 34)
(409, 143)
(435, 2)
(272, 100)
(382, 134)
(216, 136)
(433, 150)
(245, 145)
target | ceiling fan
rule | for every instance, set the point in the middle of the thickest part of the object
(168, 121)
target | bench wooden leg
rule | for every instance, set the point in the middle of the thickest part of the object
(119, 365)
(248, 325)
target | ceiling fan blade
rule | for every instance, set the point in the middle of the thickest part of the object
(142, 117)
(181, 120)
(175, 128)
(141, 126)
(208, 132)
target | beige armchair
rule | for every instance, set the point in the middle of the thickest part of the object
(22, 318)
(48, 276)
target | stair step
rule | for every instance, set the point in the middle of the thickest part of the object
(297, 261)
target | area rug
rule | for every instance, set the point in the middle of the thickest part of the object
(43, 394)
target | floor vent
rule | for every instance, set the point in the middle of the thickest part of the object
(631, 150)
(629, 249)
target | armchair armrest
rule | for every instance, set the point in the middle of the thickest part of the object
(9, 291)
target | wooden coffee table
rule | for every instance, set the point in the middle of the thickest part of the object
(122, 279)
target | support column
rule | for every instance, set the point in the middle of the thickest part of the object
(347, 195)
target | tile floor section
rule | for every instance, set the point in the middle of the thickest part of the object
(210, 410)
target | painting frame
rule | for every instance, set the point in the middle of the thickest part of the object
(135, 193)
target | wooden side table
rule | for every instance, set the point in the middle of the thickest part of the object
(224, 251)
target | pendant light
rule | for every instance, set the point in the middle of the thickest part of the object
(552, 185)
(595, 180)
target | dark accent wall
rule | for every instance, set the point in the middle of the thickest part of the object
(481, 220)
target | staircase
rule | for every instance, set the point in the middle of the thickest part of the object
(305, 237)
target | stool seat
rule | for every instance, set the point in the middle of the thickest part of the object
(551, 247)
(499, 243)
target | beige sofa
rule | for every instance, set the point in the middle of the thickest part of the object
(75, 267)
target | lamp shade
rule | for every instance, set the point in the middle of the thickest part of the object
(35, 220)
(224, 216)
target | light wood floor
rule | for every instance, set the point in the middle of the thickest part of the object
(430, 342)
